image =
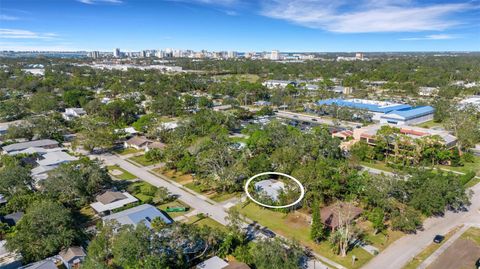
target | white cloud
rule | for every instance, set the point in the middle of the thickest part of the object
(27, 46)
(4, 17)
(431, 37)
(210, 2)
(24, 34)
(91, 2)
(365, 16)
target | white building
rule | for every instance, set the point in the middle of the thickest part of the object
(71, 113)
(111, 200)
(275, 55)
(272, 84)
(116, 53)
(427, 91)
(232, 54)
(473, 101)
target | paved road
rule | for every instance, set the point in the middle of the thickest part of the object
(200, 203)
(315, 119)
(400, 252)
(214, 210)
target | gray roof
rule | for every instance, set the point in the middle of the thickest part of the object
(72, 253)
(45, 264)
(270, 187)
(213, 263)
(137, 214)
(110, 197)
(29, 144)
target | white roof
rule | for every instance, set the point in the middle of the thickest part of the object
(271, 187)
(212, 263)
(99, 207)
(42, 169)
(56, 157)
(135, 215)
(34, 150)
(169, 125)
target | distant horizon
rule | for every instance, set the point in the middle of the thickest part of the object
(241, 25)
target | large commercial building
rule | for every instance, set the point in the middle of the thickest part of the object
(116, 53)
(386, 112)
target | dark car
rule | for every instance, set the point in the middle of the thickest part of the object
(438, 238)
(268, 233)
(477, 264)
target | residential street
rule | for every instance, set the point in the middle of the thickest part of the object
(214, 210)
(403, 250)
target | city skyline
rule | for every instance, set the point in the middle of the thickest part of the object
(231, 25)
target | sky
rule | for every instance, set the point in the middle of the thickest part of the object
(262, 25)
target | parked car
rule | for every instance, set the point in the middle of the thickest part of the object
(477, 264)
(268, 233)
(438, 238)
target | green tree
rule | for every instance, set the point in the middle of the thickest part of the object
(14, 180)
(44, 230)
(317, 231)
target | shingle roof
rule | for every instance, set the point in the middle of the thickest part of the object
(110, 197)
(71, 253)
(330, 214)
(138, 141)
(29, 144)
(46, 264)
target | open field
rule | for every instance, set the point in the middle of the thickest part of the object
(124, 175)
(241, 77)
(174, 175)
(378, 165)
(467, 167)
(417, 260)
(295, 226)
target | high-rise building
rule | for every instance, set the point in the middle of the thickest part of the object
(359, 56)
(116, 53)
(160, 54)
(275, 55)
(232, 54)
(143, 54)
(94, 54)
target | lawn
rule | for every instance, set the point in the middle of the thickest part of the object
(126, 151)
(417, 260)
(474, 181)
(174, 175)
(379, 240)
(125, 175)
(205, 222)
(221, 197)
(174, 204)
(295, 226)
(378, 165)
(142, 160)
(140, 190)
(430, 124)
(467, 167)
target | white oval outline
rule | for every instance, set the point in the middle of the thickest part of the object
(302, 190)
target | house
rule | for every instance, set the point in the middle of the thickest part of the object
(472, 101)
(133, 216)
(262, 103)
(427, 91)
(45, 264)
(341, 211)
(44, 143)
(111, 200)
(71, 113)
(48, 162)
(4, 126)
(9, 259)
(222, 107)
(272, 84)
(155, 145)
(137, 142)
(11, 219)
(343, 135)
(168, 125)
(270, 187)
(217, 263)
(72, 257)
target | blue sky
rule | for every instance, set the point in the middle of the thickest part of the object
(263, 25)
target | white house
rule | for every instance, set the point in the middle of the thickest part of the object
(143, 213)
(270, 187)
(111, 200)
(71, 113)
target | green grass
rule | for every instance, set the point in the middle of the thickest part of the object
(472, 234)
(417, 260)
(378, 165)
(194, 187)
(136, 190)
(205, 222)
(174, 204)
(286, 225)
(467, 167)
(220, 197)
(125, 174)
(125, 151)
(142, 160)
(430, 124)
(474, 181)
